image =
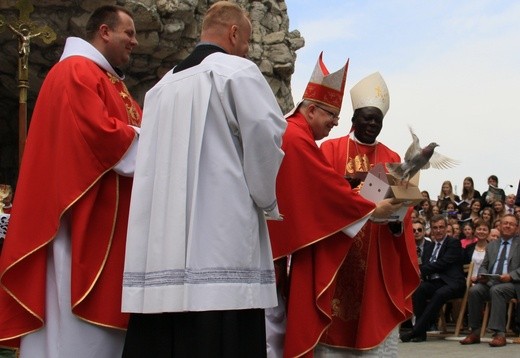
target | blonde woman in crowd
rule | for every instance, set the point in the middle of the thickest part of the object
(447, 195)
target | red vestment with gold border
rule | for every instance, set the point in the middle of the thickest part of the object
(317, 203)
(79, 132)
(375, 282)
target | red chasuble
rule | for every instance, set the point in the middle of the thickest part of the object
(317, 203)
(379, 274)
(79, 131)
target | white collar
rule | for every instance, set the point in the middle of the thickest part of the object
(75, 46)
(353, 137)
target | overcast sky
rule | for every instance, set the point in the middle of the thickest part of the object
(452, 69)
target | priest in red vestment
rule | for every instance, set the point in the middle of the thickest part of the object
(61, 266)
(378, 276)
(318, 205)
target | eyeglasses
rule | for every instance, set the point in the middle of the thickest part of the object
(438, 227)
(508, 223)
(331, 114)
(417, 230)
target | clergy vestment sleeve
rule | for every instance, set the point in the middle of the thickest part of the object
(353, 229)
(261, 125)
(126, 166)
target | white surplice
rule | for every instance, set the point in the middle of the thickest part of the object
(208, 157)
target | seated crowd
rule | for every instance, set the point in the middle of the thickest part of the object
(453, 231)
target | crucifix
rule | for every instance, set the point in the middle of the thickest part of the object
(25, 29)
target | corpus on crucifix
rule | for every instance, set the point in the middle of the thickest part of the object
(25, 29)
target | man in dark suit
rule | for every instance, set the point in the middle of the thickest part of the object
(503, 259)
(442, 279)
(422, 244)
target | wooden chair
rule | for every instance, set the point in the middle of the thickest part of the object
(468, 270)
(510, 316)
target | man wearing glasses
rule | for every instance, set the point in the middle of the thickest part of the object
(502, 259)
(442, 278)
(422, 243)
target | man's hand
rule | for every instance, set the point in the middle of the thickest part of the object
(482, 279)
(385, 208)
(505, 278)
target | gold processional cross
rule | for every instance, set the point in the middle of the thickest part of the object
(25, 29)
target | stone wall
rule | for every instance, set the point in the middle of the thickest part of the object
(167, 31)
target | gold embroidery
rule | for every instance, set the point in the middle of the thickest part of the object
(134, 117)
(360, 162)
(112, 78)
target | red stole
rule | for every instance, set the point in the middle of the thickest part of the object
(316, 203)
(79, 132)
(375, 282)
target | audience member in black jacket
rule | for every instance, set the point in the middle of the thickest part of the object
(442, 279)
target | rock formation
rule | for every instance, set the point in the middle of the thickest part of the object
(167, 31)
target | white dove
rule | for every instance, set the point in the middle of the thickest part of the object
(417, 158)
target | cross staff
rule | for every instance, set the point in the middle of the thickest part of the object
(25, 30)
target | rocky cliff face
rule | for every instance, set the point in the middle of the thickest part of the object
(167, 32)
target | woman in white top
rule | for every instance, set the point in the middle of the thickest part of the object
(476, 251)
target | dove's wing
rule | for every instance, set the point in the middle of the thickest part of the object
(439, 161)
(414, 148)
(427, 165)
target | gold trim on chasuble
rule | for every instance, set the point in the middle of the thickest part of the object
(360, 162)
(134, 117)
(13, 296)
(105, 258)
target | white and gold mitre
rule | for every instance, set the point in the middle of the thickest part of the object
(371, 91)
